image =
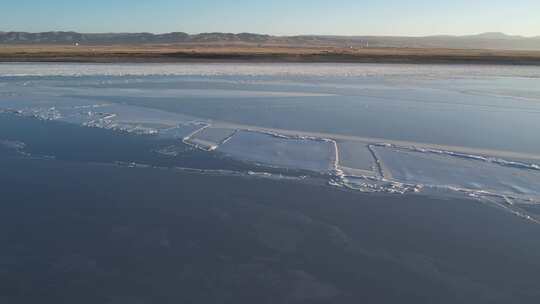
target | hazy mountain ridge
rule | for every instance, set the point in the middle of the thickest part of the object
(174, 37)
(493, 40)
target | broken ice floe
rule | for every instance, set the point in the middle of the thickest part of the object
(182, 130)
(448, 169)
(489, 159)
(280, 151)
(354, 155)
(215, 135)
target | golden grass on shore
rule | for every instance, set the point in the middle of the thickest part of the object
(181, 53)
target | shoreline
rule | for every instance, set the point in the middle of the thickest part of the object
(205, 54)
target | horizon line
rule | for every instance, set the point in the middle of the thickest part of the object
(275, 35)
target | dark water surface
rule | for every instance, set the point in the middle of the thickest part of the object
(73, 232)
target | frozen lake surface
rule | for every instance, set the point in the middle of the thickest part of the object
(371, 127)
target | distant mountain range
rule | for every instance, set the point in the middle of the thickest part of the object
(497, 41)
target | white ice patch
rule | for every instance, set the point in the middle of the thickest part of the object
(376, 184)
(127, 118)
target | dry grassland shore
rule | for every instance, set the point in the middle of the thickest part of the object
(248, 53)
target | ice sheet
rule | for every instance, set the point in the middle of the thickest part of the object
(451, 171)
(280, 152)
(143, 115)
(214, 135)
(180, 131)
(354, 154)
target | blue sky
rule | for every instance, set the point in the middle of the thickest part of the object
(281, 17)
